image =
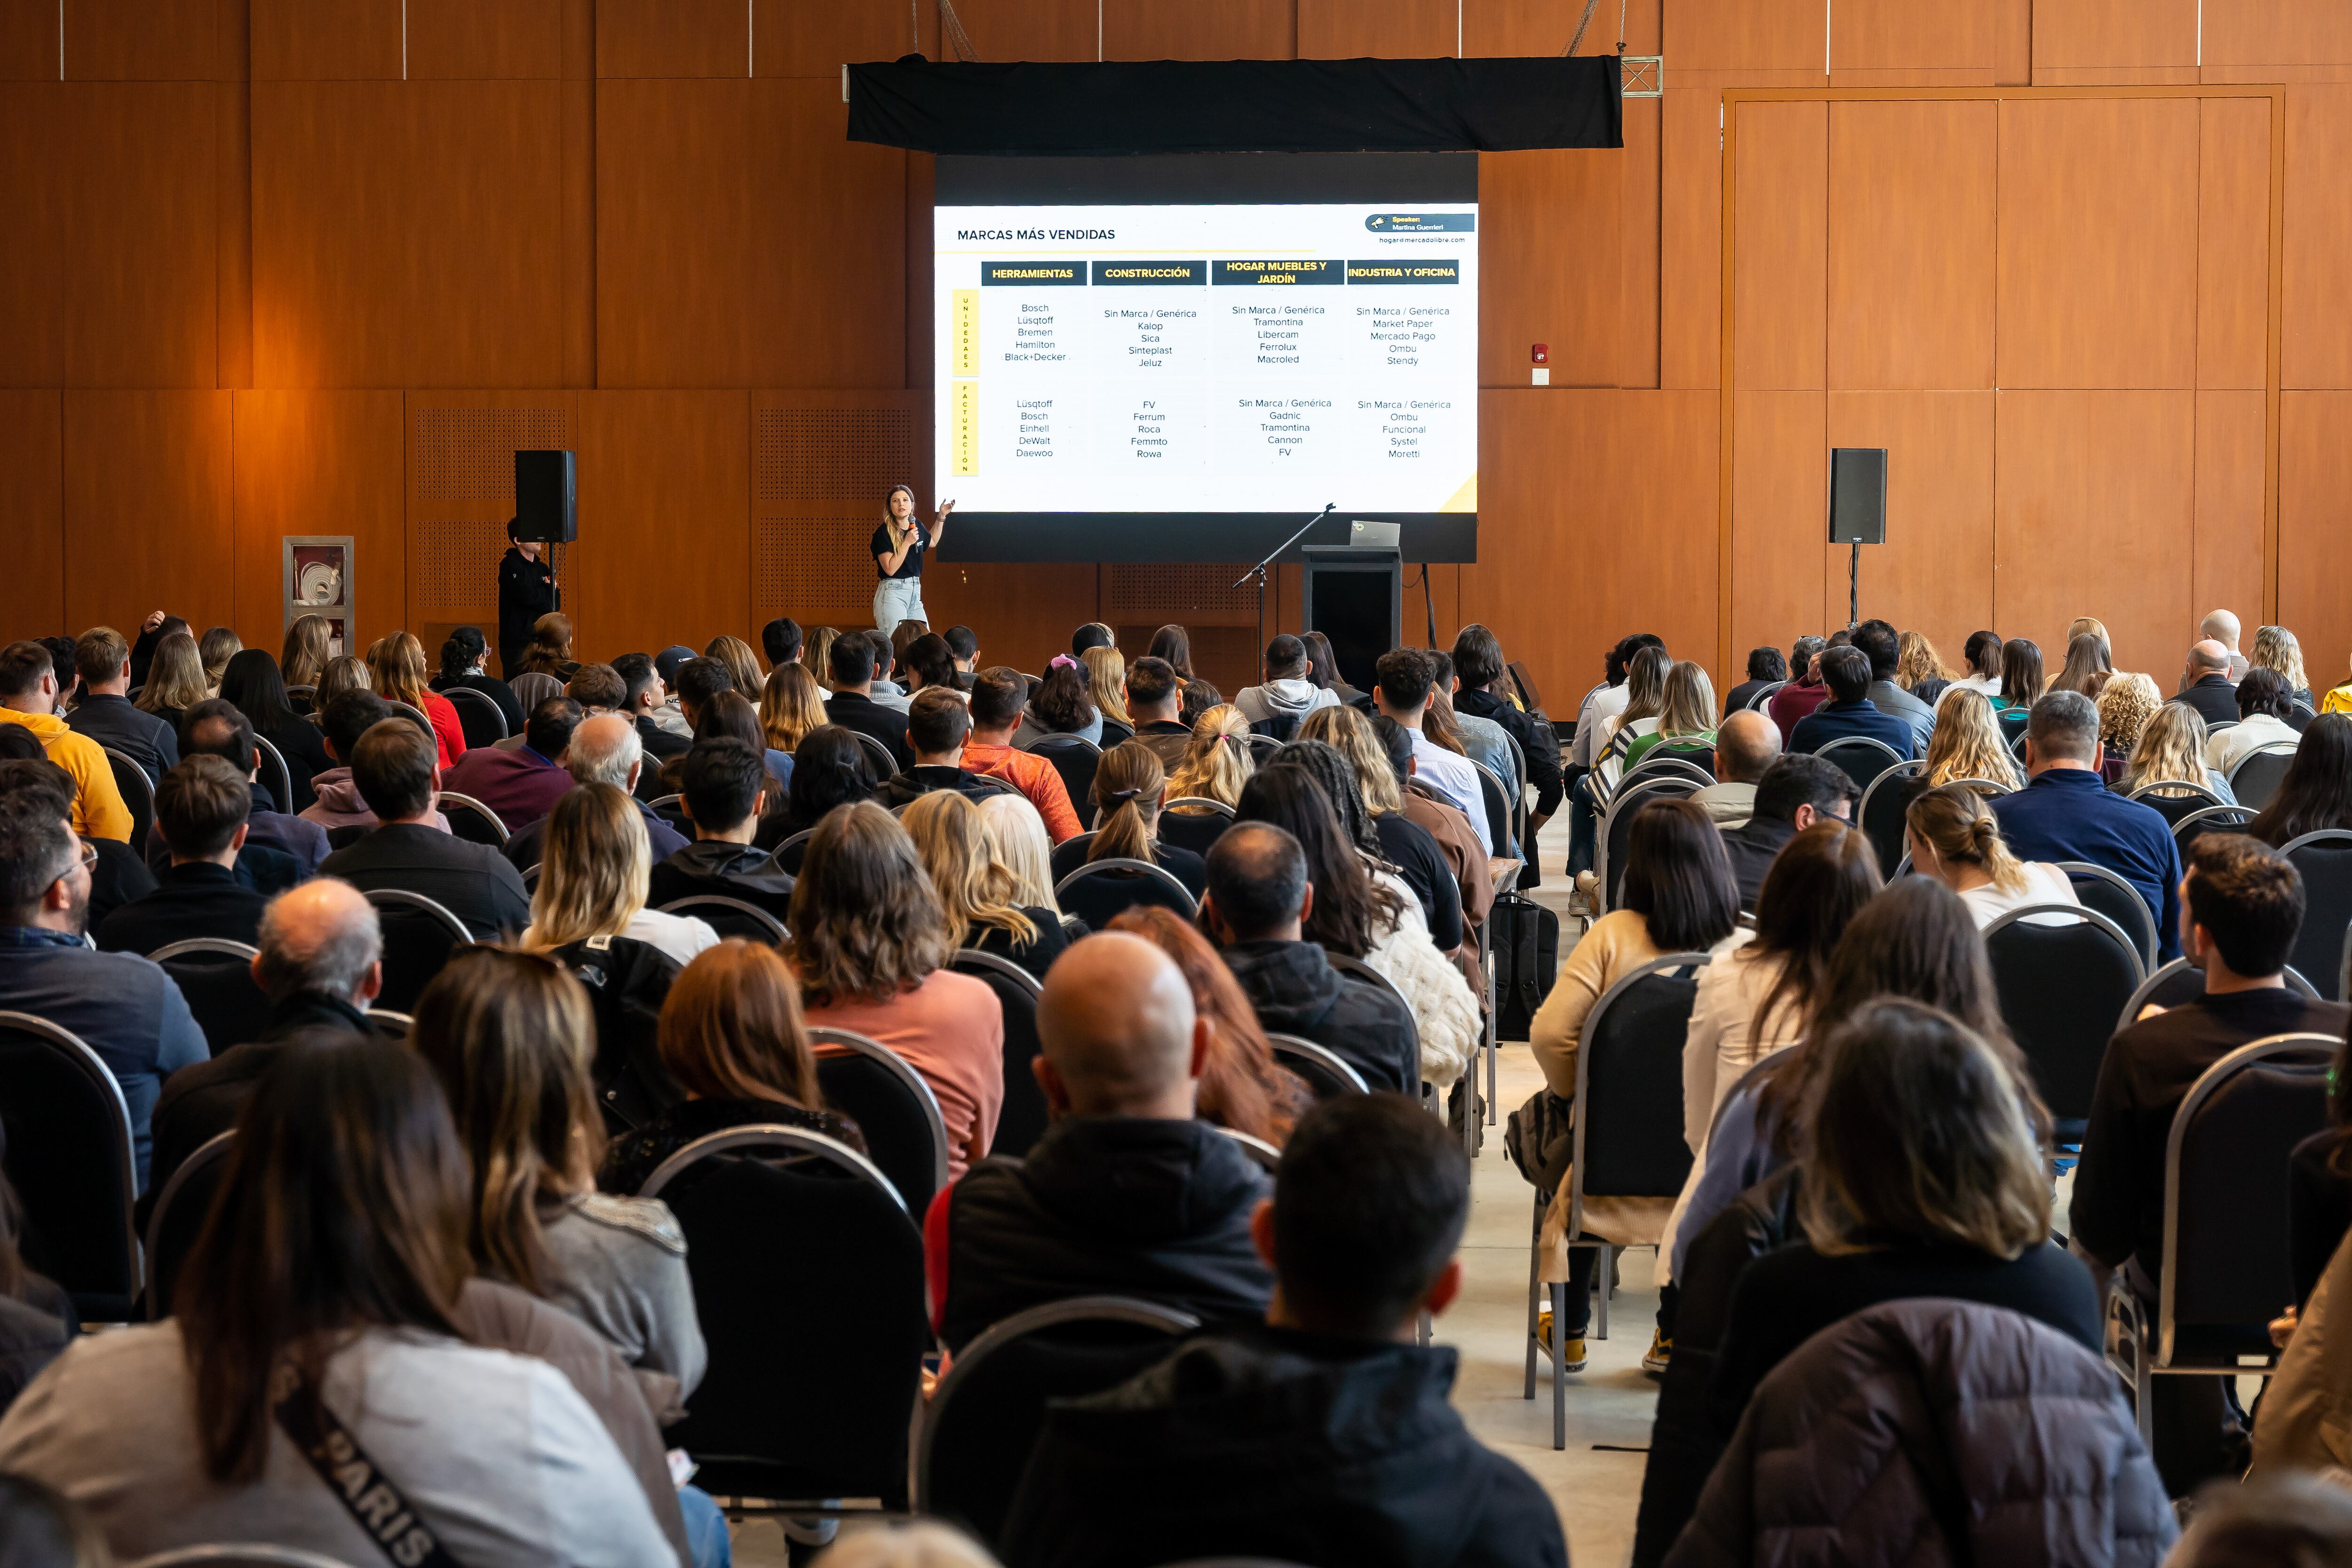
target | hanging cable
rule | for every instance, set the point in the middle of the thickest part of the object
(1584, 22)
(952, 36)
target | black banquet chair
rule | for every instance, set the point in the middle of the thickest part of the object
(2325, 860)
(1881, 813)
(1097, 891)
(419, 935)
(1326, 1072)
(730, 917)
(2183, 980)
(2099, 888)
(477, 716)
(905, 1137)
(179, 1216)
(471, 820)
(2062, 973)
(1022, 1120)
(627, 982)
(2254, 778)
(2190, 826)
(69, 1156)
(215, 978)
(1616, 830)
(1075, 758)
(793, 850)
(766, 1210)
(1863, 758)
(138, 792)
(1195, 822)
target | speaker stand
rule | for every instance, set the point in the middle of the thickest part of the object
(1853, 588)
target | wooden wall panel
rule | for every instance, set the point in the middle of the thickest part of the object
(828, 262)
(1023, 615)
(310, 40)
(2233, 227)
(319, 463)
(2226, 568)
(1936, 570)
(1638, 246)
(674, 232)
(665, 543)
(1031, 29)
(2268, 35)
(2078, 42)
(2315, 528)
(32, 588)
(1747, 43)
(147, 507)
(1394, 29)
(1690, 239)
(28, 41)
(139, 40)
(1884, 43)
(673, 38)
(1780, 475)
(794, 39)
(1548, 262)
(139, 237)
(464, 40)
(1199, 29)
(459, 492)
(33, 331)
(2315, 348)
(442, 268)
(1780, 249)
(2098, 243)
(2094, 495)
(1534, 28)
(1910, 244)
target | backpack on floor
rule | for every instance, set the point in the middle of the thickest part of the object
(1527, 956)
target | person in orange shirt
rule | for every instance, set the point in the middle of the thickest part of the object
(28, 695)
(997, 694)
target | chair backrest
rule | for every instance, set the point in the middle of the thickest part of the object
(730, 917)
(1989, 787)
(1616, 835)
(138, 792)
(793, 850)
(1357, 969)
(2256, 778)
(1863, 757)
(1495, 796)
(671, 808)
(1022, 1118)
(69, 1155)
(276, 777)
(984, 1417)
(1097, 891)
(1075, 758)
(1263, 1155)
(2099, 888)
(2225, 1195)
(2182, 980)
(1326, 1072)
(415, 716)
(473, 821)
(762, 1207)
(1881, 812)
(239, 1554)
(2179, 794)
(301, 699)
(390, 1024)
(1264, 749)
(1763, 694)
(884, 765)
(419, 935)
(178, 1217)
(477, 716)
(215, 978)
(531, 875)
(532, 687)
(2059, 987)
(2187, 826)
(2325, 860)
(1198, 826)
(1655, 766)
(905, 1137)
(1628, 1087)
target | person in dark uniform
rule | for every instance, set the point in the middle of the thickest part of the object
(527, 590)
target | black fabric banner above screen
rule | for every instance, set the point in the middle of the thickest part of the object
(1111, 109)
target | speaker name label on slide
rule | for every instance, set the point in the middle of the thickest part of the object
(1244, 358)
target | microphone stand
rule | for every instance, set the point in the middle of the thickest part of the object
(1258, 572)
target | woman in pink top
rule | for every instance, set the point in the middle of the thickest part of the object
(868, 940)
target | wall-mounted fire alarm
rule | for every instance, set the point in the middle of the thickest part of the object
(1540, 354)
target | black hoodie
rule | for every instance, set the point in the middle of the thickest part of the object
(1115, 1206)
(1258, 1442)
(1295, 990)
(729, 870)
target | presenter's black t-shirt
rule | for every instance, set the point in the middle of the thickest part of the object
(910, 566)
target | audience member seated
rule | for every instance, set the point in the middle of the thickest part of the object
(120, 1005)
(1883, 646)
(852, 706)
(1428, 843)
(1951, 836)
(1850, 713)
(320, 963)
(2317, 794)
(963, 646)
(521, 785)
(1404, 688)
(1686, 723)
(104, 714)
(729, 715)
(28, 699)
(173, 682)
(2264, 705)
(1105, 683)
(997, 698)
(1279, 705)
(119, 875)
(1797, 791)
(1483, 689)
(252, 682)
(2276, 649)
(465, 666)
(1983, 652)
(1131, 788)
(2021, 676)
(2066, 814)
(2240, 908)
(1128, 1193)
(279, 850)
(734, 1043)
(1064, 703)
(742, 665)
(1092, 636)
(599, 689)
(1155, 700)
(1678, 896)
(1765, 667)
(335, 800)
(1805, 692)
(173, 1433)
(1921, 670)
(1016, 837)
(936, 726)
(603, 749)
(201, 810)
(1241, 1085)
(869, 939)
(2222, 628)
(1744, 747)
(2206, 684)
(394, 768)
(1217, 762)
(593, 880)
(1369, 1205)
(2126, 704)
(977, 891)
(791, 704)
(1481, 740)
(1634, 692)
(725, 787)
(1257, 907)
(2088, 666)
(510, 1038)
(831, 768)
(2171, 751)
(643, 696)
(396, 662)
(929, 661)
(345, 673)
(1967, 745)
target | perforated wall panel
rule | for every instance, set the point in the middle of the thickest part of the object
(457, 568)
(818, 476)
(1132, 593)
(467, 453)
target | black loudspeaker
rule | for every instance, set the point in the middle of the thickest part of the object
(547, 494)
(1857, 495)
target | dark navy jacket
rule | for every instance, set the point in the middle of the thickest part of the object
(2069, 814)
(1841, 721)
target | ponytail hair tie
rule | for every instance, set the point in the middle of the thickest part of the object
(1124, 795)
(1061, 660)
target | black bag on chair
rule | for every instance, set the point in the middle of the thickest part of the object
(627, 982)
(1526, 937)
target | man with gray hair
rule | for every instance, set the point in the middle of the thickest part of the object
(2067, 812)
(320, 963)
(603, 750)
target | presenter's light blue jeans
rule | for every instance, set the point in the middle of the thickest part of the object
(897, 599)
(705, 1529)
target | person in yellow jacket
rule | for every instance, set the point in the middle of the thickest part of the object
(28, 696)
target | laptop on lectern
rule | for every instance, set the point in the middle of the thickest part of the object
(1374, 536)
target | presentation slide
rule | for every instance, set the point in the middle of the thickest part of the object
(1156, 344)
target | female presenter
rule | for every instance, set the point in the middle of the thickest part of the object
(899, 545)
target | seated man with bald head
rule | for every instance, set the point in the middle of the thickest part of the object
(1127, 1193)
(1745, 747)
(2207, 686)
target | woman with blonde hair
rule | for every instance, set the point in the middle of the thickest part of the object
(1646, 706)
(396, 666)
(1966, 743)
(2171, 751)
(218, 646)
(1241, 1084)
(1953, 837)
(2275, 648)
(1017, 838)
(790, 707)
(1216, 760)
(742, 665)
(2126, 704)
(1107, 684)
(592, 880)
(1920, 670)
(2087, 668)
(817, 654)
(977, 891)
(175, 679)
(343, 672)
(1130, 787)
(550, 653)
(310, 643)
(1687, 717)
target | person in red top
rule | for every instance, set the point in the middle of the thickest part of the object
(997, 694)
(396, 665)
